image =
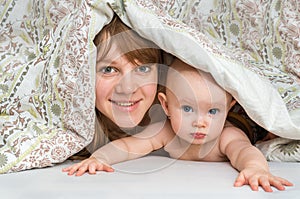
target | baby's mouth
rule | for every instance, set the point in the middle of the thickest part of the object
(198, 135)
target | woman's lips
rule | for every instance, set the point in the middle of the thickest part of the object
(125, 105)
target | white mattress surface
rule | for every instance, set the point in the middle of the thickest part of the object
(149, 177)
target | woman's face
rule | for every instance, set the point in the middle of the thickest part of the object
(124, 91)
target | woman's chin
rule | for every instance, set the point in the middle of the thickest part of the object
(126, 124)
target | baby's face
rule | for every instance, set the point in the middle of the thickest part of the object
(197, 106)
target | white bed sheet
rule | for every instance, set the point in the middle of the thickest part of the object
(148, 177)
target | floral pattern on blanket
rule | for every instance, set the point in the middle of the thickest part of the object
(46, 109)
(281, 149)
(263, 33)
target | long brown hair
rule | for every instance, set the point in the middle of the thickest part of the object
(135, 49)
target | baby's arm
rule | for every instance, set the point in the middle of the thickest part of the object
(152, 138)
(247, 159)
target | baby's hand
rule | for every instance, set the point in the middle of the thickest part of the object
(258, 177)
(91, 165)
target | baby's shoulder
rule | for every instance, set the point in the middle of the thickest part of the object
(231, 133)
(230, 128)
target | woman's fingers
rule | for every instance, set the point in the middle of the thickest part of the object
(90, 165)
(107, 168)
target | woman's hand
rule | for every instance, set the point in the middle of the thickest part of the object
(255, 177)
(90, 165)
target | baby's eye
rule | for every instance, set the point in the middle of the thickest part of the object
(213, 111)
(108, 70)
(143, 69)
(186, 108)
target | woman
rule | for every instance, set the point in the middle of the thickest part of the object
(126, 83)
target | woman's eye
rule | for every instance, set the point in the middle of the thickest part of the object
(108, 70)
(187, 109)
(143, 69)
(213, 111)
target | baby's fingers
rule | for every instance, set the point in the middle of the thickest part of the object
(285, 182)
(279, 183)
(265, 184)
(254, 183)
(240, 181)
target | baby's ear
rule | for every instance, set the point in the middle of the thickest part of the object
(164, 102)
(232, 103)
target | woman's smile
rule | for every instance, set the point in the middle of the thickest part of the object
(127, 106)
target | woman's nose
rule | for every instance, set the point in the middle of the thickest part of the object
(126, 85)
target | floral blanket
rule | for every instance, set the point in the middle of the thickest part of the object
(47, 67)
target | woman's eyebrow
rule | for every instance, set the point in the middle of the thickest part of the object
(112, 62)
(106, 62)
